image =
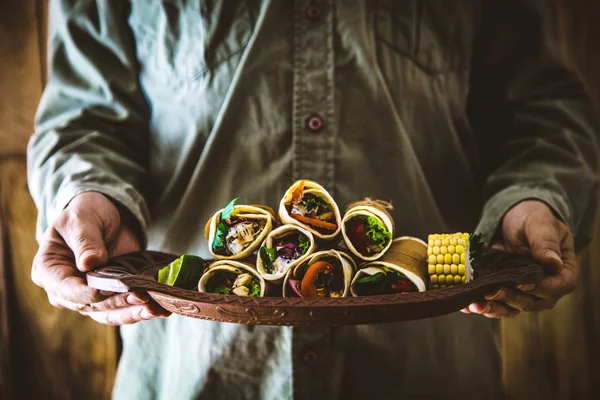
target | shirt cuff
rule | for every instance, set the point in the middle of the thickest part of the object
(124, 195)
(502, 202)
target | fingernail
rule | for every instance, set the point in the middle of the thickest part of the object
(526, 288)
(145, 314)
(553, 254)
(499, 295)
(135, 300)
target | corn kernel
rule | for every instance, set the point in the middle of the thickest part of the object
(437, 242)
(454, 269)
(462, 242)
(445, 242)
(464, 279)
(449, 280)
(446, 269)
(461, 269)
(430, 242)
(457, 280)
(453, 242)
(463, 258)
(433, 279)
(432, 259)
(443, 249)
(465, 236)
(439, 269)
(451, 249)
(436, 250)
(442, 279)
(431, 269)
(429, 250)
(448, 258)
(455, 259)
(460, 249)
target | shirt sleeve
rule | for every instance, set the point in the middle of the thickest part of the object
(535, 123)
(91, 129)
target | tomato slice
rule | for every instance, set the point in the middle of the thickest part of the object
(357, 236)
(403, 286)
(314, 222)
(308, 288)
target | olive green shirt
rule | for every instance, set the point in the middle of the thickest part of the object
(453, 111)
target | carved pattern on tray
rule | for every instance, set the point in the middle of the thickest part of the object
(136, 272)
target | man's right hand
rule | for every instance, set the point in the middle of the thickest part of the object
(82, 238)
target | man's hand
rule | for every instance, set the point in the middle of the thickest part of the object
(531, 227)
(84, 236)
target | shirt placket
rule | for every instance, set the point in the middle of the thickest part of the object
(314, 133)
(314, 127)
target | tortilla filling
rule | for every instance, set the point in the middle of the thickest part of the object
(235, 234)
(321, 279)
(287, 250)
(388, 282)
(225, 282)
(312, 210)
(368, 234)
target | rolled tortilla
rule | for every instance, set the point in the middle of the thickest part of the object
(407, 255)
(238, 268)
(314, 188)
(298, 273)
(364, 209)
(270, 241)
(258, 213)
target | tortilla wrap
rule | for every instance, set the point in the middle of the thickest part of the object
(314, 188)
(374, 209)
(236, 267)
(282, 231)
(407, 255)
(241, 211)
(348, 269)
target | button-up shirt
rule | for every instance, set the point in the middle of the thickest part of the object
(453, 111)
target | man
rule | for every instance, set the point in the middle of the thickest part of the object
(158, 113)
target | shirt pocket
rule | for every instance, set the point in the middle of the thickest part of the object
(426, 33)
(184, 41)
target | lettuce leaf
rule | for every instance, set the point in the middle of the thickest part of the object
(376, 232)
(316, 202)
(303, 243)
(222, 290)
(218, 243)
(268, 255)
(255, 291)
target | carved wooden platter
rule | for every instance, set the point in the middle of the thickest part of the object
(137, 272)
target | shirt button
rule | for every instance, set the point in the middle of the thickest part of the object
(310, 357)
(313, 12)
(315, 123)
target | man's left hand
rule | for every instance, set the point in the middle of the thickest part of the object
(531, 227)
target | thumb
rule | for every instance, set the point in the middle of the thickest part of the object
(87, 244)
(544, 241)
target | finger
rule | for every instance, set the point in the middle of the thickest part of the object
(544, 240)
(129, 315)
(493, 309)
(126, 242)
(83, 235)
(465, 310)
(121, 300)
(53, 270)
(521, 301)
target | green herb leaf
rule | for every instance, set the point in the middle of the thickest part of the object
(303, 243)
(255, 291)
(220, 235)
(226, 213)
(268, 255)
(316, 202)
(376, 232)
(371, 278)
(222, 290)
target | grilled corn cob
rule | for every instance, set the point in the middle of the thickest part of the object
(448, 260)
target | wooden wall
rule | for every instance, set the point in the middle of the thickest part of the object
(55, 354)
(58, 354)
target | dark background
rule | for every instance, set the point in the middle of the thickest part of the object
(57, 354)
